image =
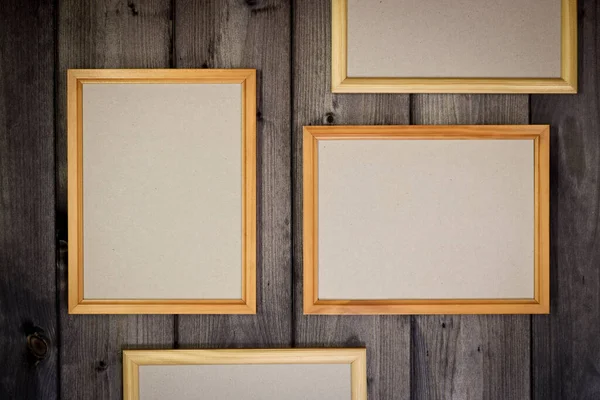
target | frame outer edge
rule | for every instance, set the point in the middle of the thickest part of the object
(355, 357)
(359, 375)
(566, 84)
(569, 41)
(339, 44)
(131, 381)
(308, 220)
(75, 79)
(544, 213)
(476, 132)
(250, 141)
(73, 288)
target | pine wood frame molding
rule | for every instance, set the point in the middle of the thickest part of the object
(77, 302)
(342, 83)
(539, 304)
(356, 357)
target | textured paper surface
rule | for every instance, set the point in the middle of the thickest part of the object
(162, 191)
(458, 38)
(426, 219)
(246, 382)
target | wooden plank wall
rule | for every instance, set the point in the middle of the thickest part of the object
(103, 34)
(387, 338)
(250, 34)
(46, 353)
(482, 356)
(566, 344)
(28, 328)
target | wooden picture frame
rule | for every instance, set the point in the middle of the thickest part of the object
(315, 136)
(342, 83)
(355, 357)
(78, 303)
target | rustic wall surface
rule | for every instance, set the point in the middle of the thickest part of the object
(46, 353)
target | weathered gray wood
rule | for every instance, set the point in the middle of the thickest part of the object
(475, 109)
(471, 357)
(28, 331)
(387, 338)
(437, 357)
(104, 34)
(250, 34)
(566, 344)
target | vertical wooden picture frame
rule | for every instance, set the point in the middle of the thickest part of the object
(240, 363)
(426, 220)
(165, 156)
(344, 82)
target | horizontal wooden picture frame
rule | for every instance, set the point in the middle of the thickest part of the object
(426, 219)
(329, 374)
(511, 46)
(162, 191)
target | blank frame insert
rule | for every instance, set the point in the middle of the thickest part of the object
(162, 191)
(425, 219)
(294, 374)
(463, 46)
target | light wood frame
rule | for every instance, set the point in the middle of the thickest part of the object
(539, 304)
(342, 83)
(356, 357)
(77, 302)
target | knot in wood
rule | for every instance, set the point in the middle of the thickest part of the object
(102, 366)
(37, 344)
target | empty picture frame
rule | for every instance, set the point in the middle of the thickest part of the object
(426, 219)
(293, 374)
(467, 46)
(162, 191)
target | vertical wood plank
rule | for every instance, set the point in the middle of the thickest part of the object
(104, 34)
(471, 357)
(566, 344)
(250, 34)
(387, 338)
(28, 321)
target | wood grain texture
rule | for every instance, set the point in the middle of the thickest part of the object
(107, 34)
(452, 357)
(387, 338)
(479, 357)
(250, 34)
(471, 357)
(28, 323)
(469, 109)
(565, 347)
